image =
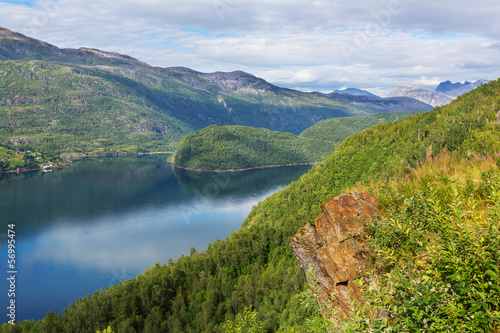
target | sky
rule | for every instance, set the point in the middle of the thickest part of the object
(310, 45)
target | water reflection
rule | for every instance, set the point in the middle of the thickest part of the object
(94, 187)
(138, 239)
(220, 185)
(105, 220)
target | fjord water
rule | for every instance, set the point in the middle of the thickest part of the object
(105, 220)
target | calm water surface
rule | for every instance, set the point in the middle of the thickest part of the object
(105, 220)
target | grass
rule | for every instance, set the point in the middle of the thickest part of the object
(11, 160)
(437, 266)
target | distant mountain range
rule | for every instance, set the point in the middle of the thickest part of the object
(88, 101)
(355, 92)
(382, 104)
(422, 94)
(444, 93)
(457, 89)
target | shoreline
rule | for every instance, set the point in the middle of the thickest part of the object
(126, 154)
(245, 169)
(26, 170)
(85, 156)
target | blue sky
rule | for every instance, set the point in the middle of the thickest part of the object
(305, 44)
(28, 3)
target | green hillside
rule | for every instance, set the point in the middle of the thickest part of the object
(437, 250)
(55, 108)
(254, 267)
(91, 102)
(99, 110)
(337, 130)
(240, 147)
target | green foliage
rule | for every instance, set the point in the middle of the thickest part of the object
(245, 322)
(482, 142)
(444, 269)
(337, 130)
(240, 147)
(318, 322)
(255, 267)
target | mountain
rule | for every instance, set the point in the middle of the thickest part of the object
(355, 92)
(241, 147)
(16, 46)
(422, 94)
(457, 89)
(438, 244)
(91, 102)
(382, 104)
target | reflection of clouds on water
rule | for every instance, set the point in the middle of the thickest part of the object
(136, 241)
(100, 222)
(190, 212)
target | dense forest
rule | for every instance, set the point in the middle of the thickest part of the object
(241, 147)
(337, 130)
(254, 267)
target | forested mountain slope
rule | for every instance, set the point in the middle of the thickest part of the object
(89, 101)
(337, 130)
(254, 266)
(217, 148)
(240, 147)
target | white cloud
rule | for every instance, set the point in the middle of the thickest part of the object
(315, 45)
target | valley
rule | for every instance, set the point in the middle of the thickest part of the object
(200, 292)
(434, 172)
(90, 102)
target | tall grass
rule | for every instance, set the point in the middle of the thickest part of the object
(437, 263)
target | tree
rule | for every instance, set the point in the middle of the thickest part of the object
(245, 322)
(4, 166)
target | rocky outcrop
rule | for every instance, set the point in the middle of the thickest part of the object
(335, 247)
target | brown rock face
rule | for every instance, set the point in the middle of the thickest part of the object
(335, 247)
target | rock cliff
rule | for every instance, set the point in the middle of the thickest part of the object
(335, 247)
